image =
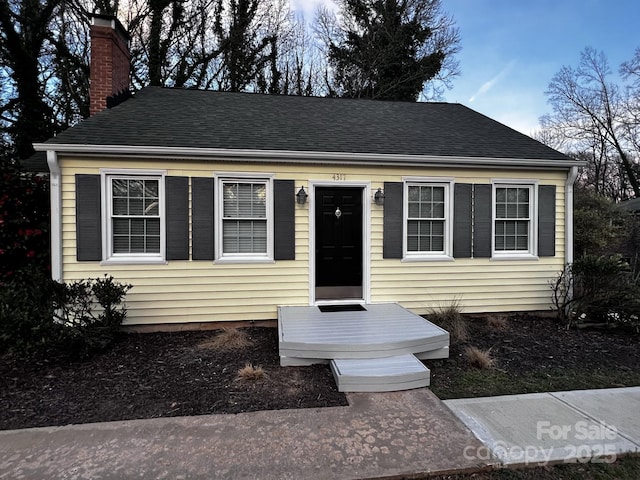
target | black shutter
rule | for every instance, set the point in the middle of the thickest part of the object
(202, 218)
(88, 218)
(392, 220)
(462, 220)
(547, 220)
(284, 228)
(177, 223)
(482, 215)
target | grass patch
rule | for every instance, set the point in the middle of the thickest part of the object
(625, 468)
(451, 319)
(485, 383)
(479, 358)
(228, 339)
(249, 373)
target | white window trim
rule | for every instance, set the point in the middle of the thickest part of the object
(532, 252)
(448, 184)
(220, 256)
(110, 258)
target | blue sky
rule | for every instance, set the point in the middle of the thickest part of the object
(512, 48)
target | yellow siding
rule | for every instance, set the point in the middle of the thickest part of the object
(201, 291)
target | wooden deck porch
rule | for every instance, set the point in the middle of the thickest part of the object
(374, 347)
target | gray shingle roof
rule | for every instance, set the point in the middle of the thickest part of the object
(205, 119)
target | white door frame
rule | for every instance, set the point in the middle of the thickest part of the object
(366, 239)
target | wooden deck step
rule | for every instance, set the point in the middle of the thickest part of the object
(388, 374)
(378, 330)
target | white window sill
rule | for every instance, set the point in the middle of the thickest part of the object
(225, 260)
(134, 261)
(513, 257)
(428, 258)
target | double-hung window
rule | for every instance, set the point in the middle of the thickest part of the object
(514, 220)
(245, 222)
(428, 220)
(135, 217)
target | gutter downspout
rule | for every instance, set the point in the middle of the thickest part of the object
(568, 221)
(56, 212)
(568, 228)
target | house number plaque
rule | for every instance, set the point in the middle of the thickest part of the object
(339, 176)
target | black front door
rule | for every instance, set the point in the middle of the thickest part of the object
(338, 229)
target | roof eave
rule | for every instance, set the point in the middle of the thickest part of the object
(286, 156)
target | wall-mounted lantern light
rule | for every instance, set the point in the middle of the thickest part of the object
(301, 196)
(378, 197)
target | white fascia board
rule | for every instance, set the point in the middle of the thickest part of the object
(286, 156)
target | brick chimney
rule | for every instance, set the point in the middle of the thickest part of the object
(110, 63)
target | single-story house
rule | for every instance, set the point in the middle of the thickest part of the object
(223, 206)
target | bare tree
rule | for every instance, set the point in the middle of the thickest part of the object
(591, 113)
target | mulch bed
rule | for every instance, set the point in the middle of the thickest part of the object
(537, 346)
(158, 375)
(171, 374)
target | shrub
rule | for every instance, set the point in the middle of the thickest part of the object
(597, 291)
(77, 319)
(24, 221)
(26, 313)
(91, 313)
(450, 318)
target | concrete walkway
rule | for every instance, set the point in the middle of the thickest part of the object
(381, 435)
(541, 428)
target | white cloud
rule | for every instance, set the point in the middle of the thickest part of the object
(489, 84)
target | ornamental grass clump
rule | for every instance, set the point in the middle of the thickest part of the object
(229, 339)
(249, 373)
(451, 319)
(480, 359)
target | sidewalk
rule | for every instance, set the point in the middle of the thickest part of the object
(540, 428)
(381, 435)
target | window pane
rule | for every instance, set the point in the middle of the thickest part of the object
(512, 210)
(120, 206)
(137, 226)
(426, 194)
(438, 210)
(137, 244)
(523, 210)
(120, 244)
(438, 194)
(120, 188)
(151, 206)
(136, 187)
(153, 226)
(151, 189)
(501, 195)
(414, 210)
(523, 195)
(437, 244)
(121, 226)
(136, 203)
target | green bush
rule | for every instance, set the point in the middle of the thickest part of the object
(598, 291)
(26, 314)
(75, 319)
